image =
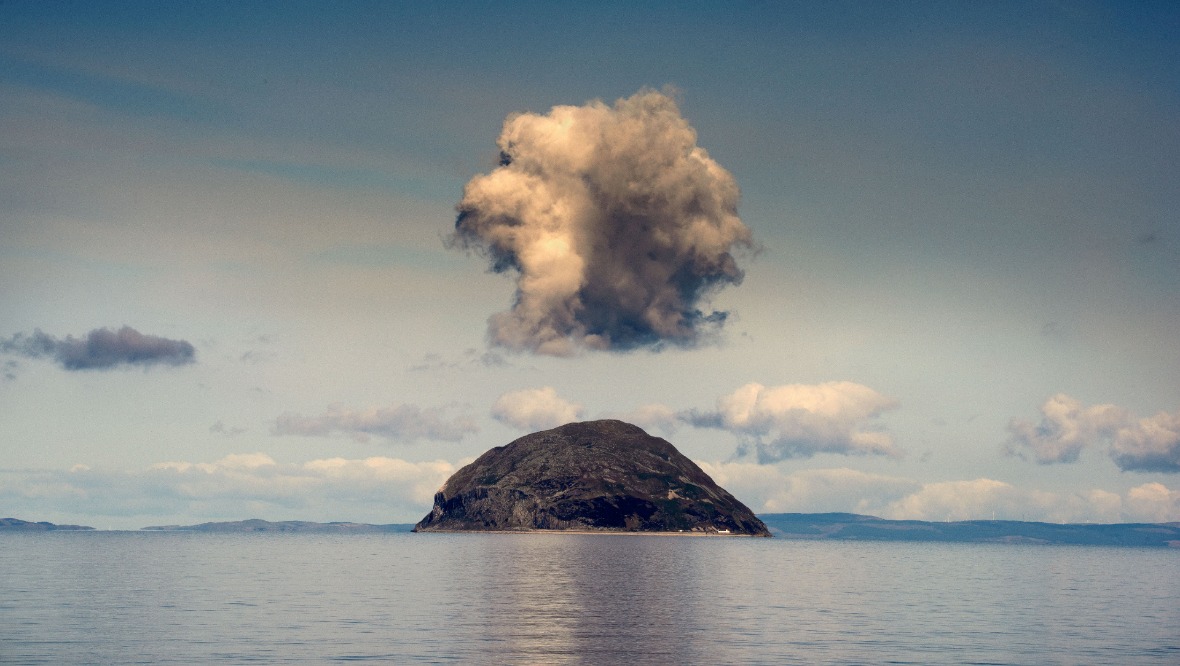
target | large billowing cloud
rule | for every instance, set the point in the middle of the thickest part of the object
(801, 420)
(401, 422)
(615, 223)
(1067, 426)
(102, 349)
(535, 409)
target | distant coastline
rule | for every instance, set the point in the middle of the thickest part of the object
(257, 525)
(856, 527)
(17, 525)
(790, 526)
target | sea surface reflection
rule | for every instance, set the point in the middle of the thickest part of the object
(126, 597)
(598, 599)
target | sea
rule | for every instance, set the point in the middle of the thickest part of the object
(278, 598)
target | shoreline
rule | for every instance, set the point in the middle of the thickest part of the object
(594, 532)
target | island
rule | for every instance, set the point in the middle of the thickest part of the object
(856, 527)
(17, 525)
(301, 526)
(602, 476)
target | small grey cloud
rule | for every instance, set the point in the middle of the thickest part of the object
(1149, 238)
(102, 349)
(470, 359)
(256, 356)
(406, 423)
(259, 351)
(617, 226)
(220, 428)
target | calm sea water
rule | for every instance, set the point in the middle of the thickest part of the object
(126, 597)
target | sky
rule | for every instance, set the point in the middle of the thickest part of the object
(302, 261)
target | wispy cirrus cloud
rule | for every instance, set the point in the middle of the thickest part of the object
(102, 349)
(470, 359)
(405, 422)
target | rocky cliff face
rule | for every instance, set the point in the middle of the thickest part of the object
(597, 475)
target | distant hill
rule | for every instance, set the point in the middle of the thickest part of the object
(802, 526)
(855, 527)
(16, 525)
(256, 525)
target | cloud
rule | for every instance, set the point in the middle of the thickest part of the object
(1067, 427)
(535, 409)
(102, 349)
(386, 490)
(962, 500)
(1149, 445)
(376, 489)
(801, 420)
(983, 498)
(653, 417)
(471, 359)
(615, 223)
(1154, 503)
(401, 422)
(768, 489)
(220, 428)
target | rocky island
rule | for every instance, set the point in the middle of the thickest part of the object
(596, 476)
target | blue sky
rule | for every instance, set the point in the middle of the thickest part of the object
(966, 252)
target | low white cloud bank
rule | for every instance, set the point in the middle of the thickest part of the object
(376, 489)
(390, 490)
(768, 489)
(406, 423)
(535, 409)
(801, 420)
(1067, 427)
(615, 223)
